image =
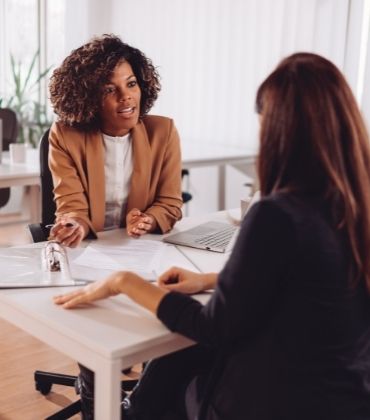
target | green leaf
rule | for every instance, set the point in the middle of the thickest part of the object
(30, 69)
(33, 116)
(41, 76)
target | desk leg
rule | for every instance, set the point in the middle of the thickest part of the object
(221, 187)
(108, 390)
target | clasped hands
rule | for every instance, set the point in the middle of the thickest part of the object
(139, 223)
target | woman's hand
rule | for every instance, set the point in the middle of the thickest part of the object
(69, 231)
(185, 281)
(145, 294)
(139, 223)
(95, 291)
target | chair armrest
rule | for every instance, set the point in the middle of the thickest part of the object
(39, 232)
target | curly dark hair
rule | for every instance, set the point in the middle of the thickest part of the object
(75, 86)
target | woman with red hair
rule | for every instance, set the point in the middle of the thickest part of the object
(286, 333)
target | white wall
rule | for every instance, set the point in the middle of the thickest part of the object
(212, 55)
(364, 70)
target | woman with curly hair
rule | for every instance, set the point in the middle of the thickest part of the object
(112, 164)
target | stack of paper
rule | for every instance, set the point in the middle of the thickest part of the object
(22, 266)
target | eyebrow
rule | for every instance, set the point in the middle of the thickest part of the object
(127, 78)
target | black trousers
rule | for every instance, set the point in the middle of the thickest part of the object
(161, 391)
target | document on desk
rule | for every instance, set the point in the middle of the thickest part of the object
(146, 258)
(21, 267)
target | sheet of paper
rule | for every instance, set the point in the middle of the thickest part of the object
(146, 258)
(22, 267)
(140, 256)
(172, 257)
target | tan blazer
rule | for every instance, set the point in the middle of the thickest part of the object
(76, 160)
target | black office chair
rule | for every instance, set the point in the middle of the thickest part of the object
(10, 133)
(39, 231)
(45, 380)
(186, 196)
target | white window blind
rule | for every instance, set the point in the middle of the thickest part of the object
(212, 54)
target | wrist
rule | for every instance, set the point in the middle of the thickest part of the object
(120, 284)
(209, 281)
(126, 281)
(85, 227)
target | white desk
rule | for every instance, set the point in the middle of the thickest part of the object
(106, 337)
(196, 155)
(26, 175)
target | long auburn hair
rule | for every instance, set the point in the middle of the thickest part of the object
(313, 139)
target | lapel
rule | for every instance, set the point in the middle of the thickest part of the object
(142, 168)
(96, 178)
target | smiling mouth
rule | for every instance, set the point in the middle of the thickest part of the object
(126, 111)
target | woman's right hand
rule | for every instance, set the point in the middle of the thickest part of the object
(185, 281)
(69, 231)
(139, 223)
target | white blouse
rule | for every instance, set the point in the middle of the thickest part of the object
(118, 168)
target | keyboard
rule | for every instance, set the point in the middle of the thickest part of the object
(212, 236)
(218, 239)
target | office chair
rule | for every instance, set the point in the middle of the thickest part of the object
(45, 380)
(186, 196)
(39, 231)
(10, 133)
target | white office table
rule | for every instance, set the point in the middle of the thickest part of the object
(196, 155)
(26, 175)
(107, 336)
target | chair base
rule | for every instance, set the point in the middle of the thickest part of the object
(66, 412)
(45, 380)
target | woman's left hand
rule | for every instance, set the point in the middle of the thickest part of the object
(95, 291)
(139, 223)
(126, 282)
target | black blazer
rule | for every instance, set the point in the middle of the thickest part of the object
(292, 338)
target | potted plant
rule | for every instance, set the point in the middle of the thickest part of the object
(32, 115)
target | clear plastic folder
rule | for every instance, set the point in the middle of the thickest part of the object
(35, 267)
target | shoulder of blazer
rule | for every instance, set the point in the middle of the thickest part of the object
(156, 124)
(71, 137)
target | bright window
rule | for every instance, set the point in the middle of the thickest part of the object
(28, 26)
(19, 22)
